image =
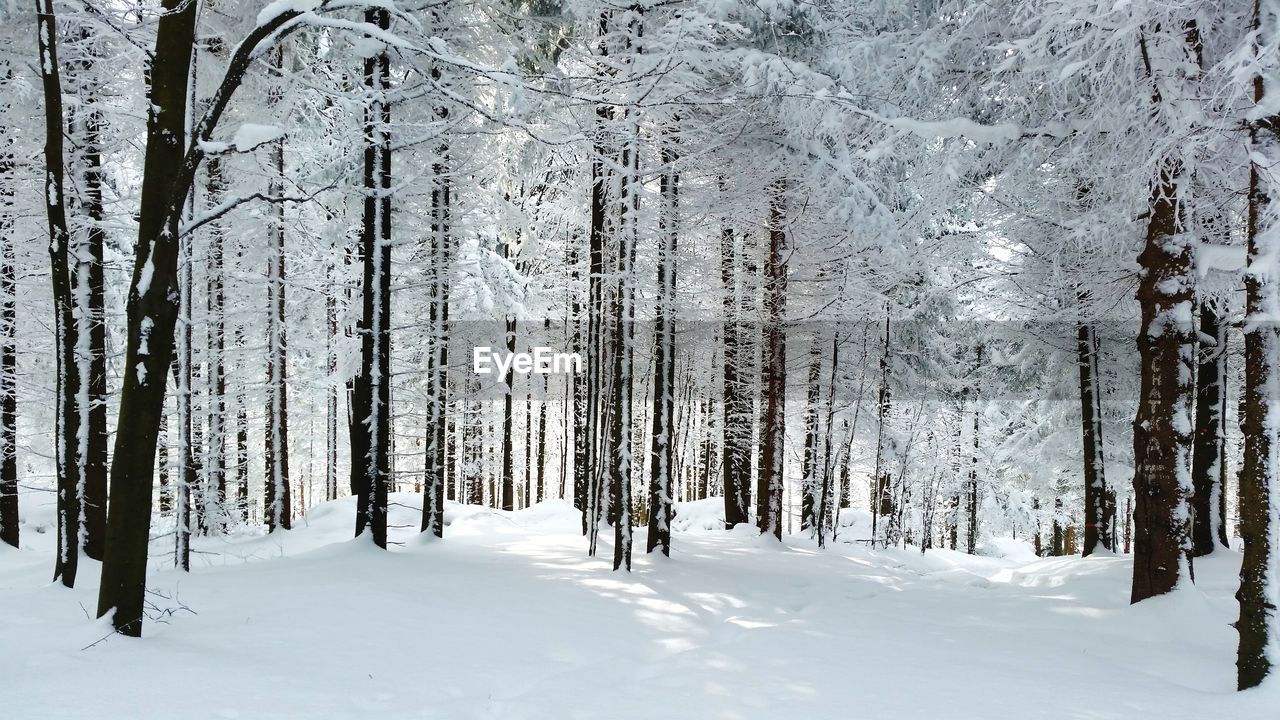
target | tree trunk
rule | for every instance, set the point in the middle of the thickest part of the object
(809, 490)
(8, 356)
(881, 496)
(371, 397)
(91, 332)
(1259, 592)
(770, 483)
(736, 397)
(508, 424)
(662, 481)
(1208, 457)
(1099, 500)
(1162, 428)
(623, 356)
(216, 443)
(595, 313)
(1163, 425)
(277, 501)
(151, 317)
(186, 477)
(971, 544)
(435, 468)
(67, 430)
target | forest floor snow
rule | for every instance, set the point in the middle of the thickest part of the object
(508, 619)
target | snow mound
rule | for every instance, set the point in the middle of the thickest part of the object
(699, 515)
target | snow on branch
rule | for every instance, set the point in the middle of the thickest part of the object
(234, 201)
(248, 137)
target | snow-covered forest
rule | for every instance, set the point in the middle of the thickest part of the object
(685, 358)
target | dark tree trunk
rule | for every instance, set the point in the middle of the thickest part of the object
(92, 324)
(152, 313)
(1163, 424)
(541, 461)
(809, 490)
(881, 493)
(371, 396)
(581, 384)
(162, 466)
(186, 476)
(1099, 500)
(331, 392)
(435, 467)
(1259, 592)
(971, 544)
(662, 480)
(620, 426)
(8, 354)
(215, 302)
(1208, 457)
(508, 424)
(595, 314)
(67, 430)
(277, 506)
(1162, 428)
(169, 170)
(770, 483)
(827, 514)
(1059, 539)
(1039, 540)
(736, 401)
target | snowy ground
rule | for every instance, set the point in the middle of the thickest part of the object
(508, 619)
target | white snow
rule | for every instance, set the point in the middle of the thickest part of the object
(250, 135)
(508, 619)
(276, 8)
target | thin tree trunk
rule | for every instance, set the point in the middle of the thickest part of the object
(67, 429)
(435, 467)
(770, 483)
(508, 425)
(9, 533)
(809, 489)
(1259, 593)
(881, 497)
(277, 504)
(661, 478)
(91, 332)
(971, 545)
(331, 389)
(595, 312)
(1208, 457)
(215, 283)
(371, 397)
(736, 400)
(1099, 499)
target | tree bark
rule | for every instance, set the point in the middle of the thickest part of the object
(371, 397)
(1099, 499)
(1259, 593)
(9, 533)
(277, 506)
(216, 390)
(809, 489)
(662, 480)
(770, 482)
(1162, 427)
(435, 467)
(736, 400)
(67, 429)
(1208, 457)
(91, 330)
